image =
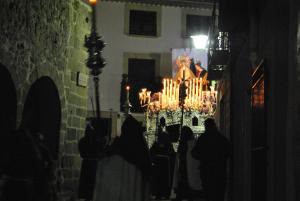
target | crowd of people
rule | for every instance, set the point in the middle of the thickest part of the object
(127, 170)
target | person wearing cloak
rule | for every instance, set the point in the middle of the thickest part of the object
(124, 173)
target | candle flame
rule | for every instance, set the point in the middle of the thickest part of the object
(127, 88)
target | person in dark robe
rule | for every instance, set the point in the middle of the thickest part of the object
(163, 158)
(124, 173)
(187, 184)
(21, 167)
(200, 71)
(212, 149)
(45, 181)
(89, 151)
(123, 85)
(193, 67)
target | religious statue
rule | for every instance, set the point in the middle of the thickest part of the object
(183, 64)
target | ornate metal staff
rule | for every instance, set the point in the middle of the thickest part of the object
(95, 62)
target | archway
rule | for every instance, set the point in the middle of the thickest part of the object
(42, 112)
(8, 106)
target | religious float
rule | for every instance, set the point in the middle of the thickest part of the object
(184, 99)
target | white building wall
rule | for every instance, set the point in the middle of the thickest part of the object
(110, 25)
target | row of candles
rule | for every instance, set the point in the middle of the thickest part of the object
(197, 96)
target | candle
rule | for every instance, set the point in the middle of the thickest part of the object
(148, 96)
(141, 98)
(167, 88)
(159, 99)
(197, 88)
(200, 89)
(164, 84)
(183, 72)
(127, 92)
(171, 84)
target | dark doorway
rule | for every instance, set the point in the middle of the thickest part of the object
(259, 137)
(42, 112)
(8, 106)
(141, 74)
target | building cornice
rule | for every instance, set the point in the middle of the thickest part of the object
(207, 4)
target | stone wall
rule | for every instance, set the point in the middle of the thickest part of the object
(296, 136)
(46, 38)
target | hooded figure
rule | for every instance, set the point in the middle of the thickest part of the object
(124, 174)
(187, 183)
(212, 149)
(89, 149)
(163, 158)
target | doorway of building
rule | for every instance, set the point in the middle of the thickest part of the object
(259, 136)
(8, 107)
(42, 110)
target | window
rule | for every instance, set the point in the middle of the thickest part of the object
(142, 23)
(141, 74)
(197, 24)
(142, 20)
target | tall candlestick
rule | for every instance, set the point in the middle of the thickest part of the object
(148, 96)
(164, 84)
(200, 93)
(127, 92)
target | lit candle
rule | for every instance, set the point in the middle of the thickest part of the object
(171, 84)
(127, 92)
(164, 84)
(200, 93)
(160, 99)
(141, 98)
(183, 72)
(167, 88)
(197, 88)
(148, 96)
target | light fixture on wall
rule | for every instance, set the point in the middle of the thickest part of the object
(218, 49)
(200, 41)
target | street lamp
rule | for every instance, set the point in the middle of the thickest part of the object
(200, 41)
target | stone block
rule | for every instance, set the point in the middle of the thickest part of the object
(69, 151)
(77, 162)
(71, 134)
(76, 121)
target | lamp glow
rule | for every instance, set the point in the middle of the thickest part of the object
(200, 41)
(93, 1)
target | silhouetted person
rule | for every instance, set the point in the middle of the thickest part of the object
(212, 149)
(45, 180)
(187, 184)
(123, 84)
(200, 71)
(21, 167)
(193, 67)
(124, 174)
(89, 151)
(163, 158)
